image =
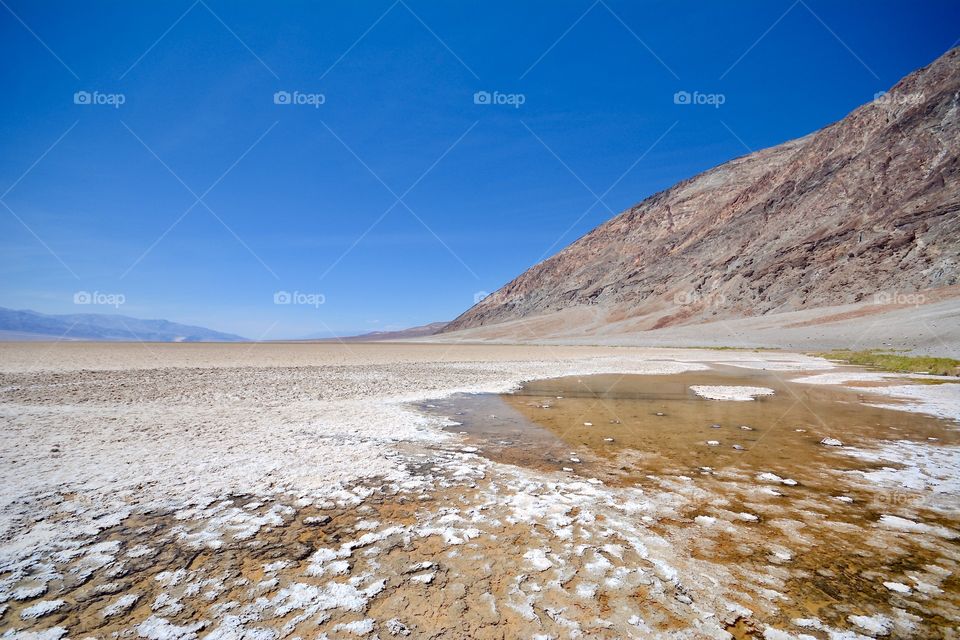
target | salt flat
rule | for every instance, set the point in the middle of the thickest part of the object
(293, 490)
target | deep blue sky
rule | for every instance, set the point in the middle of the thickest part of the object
(494, 188)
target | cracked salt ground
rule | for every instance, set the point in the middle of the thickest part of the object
(479, 550)
(355, 519)
(514, 557)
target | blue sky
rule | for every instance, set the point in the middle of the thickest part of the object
(398, 198)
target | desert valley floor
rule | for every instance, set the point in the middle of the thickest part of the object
(269, 491)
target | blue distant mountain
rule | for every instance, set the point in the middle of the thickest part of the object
(30, 325)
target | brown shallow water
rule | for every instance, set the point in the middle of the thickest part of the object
(653, 432)
(660, 419)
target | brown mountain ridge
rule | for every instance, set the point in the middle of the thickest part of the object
(865, 209)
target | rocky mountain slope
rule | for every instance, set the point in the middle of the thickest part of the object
(864, 210)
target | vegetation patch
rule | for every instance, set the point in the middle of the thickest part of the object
(896, 362)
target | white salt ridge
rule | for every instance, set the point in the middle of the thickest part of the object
(270, 567)
(781, 553)
(772, 633)
(599, 565)
(25, 593)
(41, 609)
(423, 578)
(156, 628)
(357, 627)
(898, 587)
(878, 625)
(338, 568)
(808, 623)
(925, 473)
(940, 400)
(842, 376)
(324, 555)
(170, 578)
(121, 605)
(896, 523)
(450, 535)
(537, 559)
(805, 363)
(397, 628)
(772, 477)
(54, 633)
(730, 393)
(521, 602)
(333, 595)
(162, 601)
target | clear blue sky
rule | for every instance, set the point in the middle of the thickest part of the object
(299, 197)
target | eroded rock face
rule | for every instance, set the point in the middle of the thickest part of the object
(867, 206)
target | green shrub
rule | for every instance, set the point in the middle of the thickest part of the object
(898, 363)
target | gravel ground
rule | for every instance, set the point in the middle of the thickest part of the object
(929, 329)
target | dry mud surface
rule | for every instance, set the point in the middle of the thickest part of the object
(296, 491)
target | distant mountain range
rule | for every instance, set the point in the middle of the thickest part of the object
(384, 336)
(30, 325)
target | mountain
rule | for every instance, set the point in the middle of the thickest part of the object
(30, 325)
(384, 336)
(864, 210)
